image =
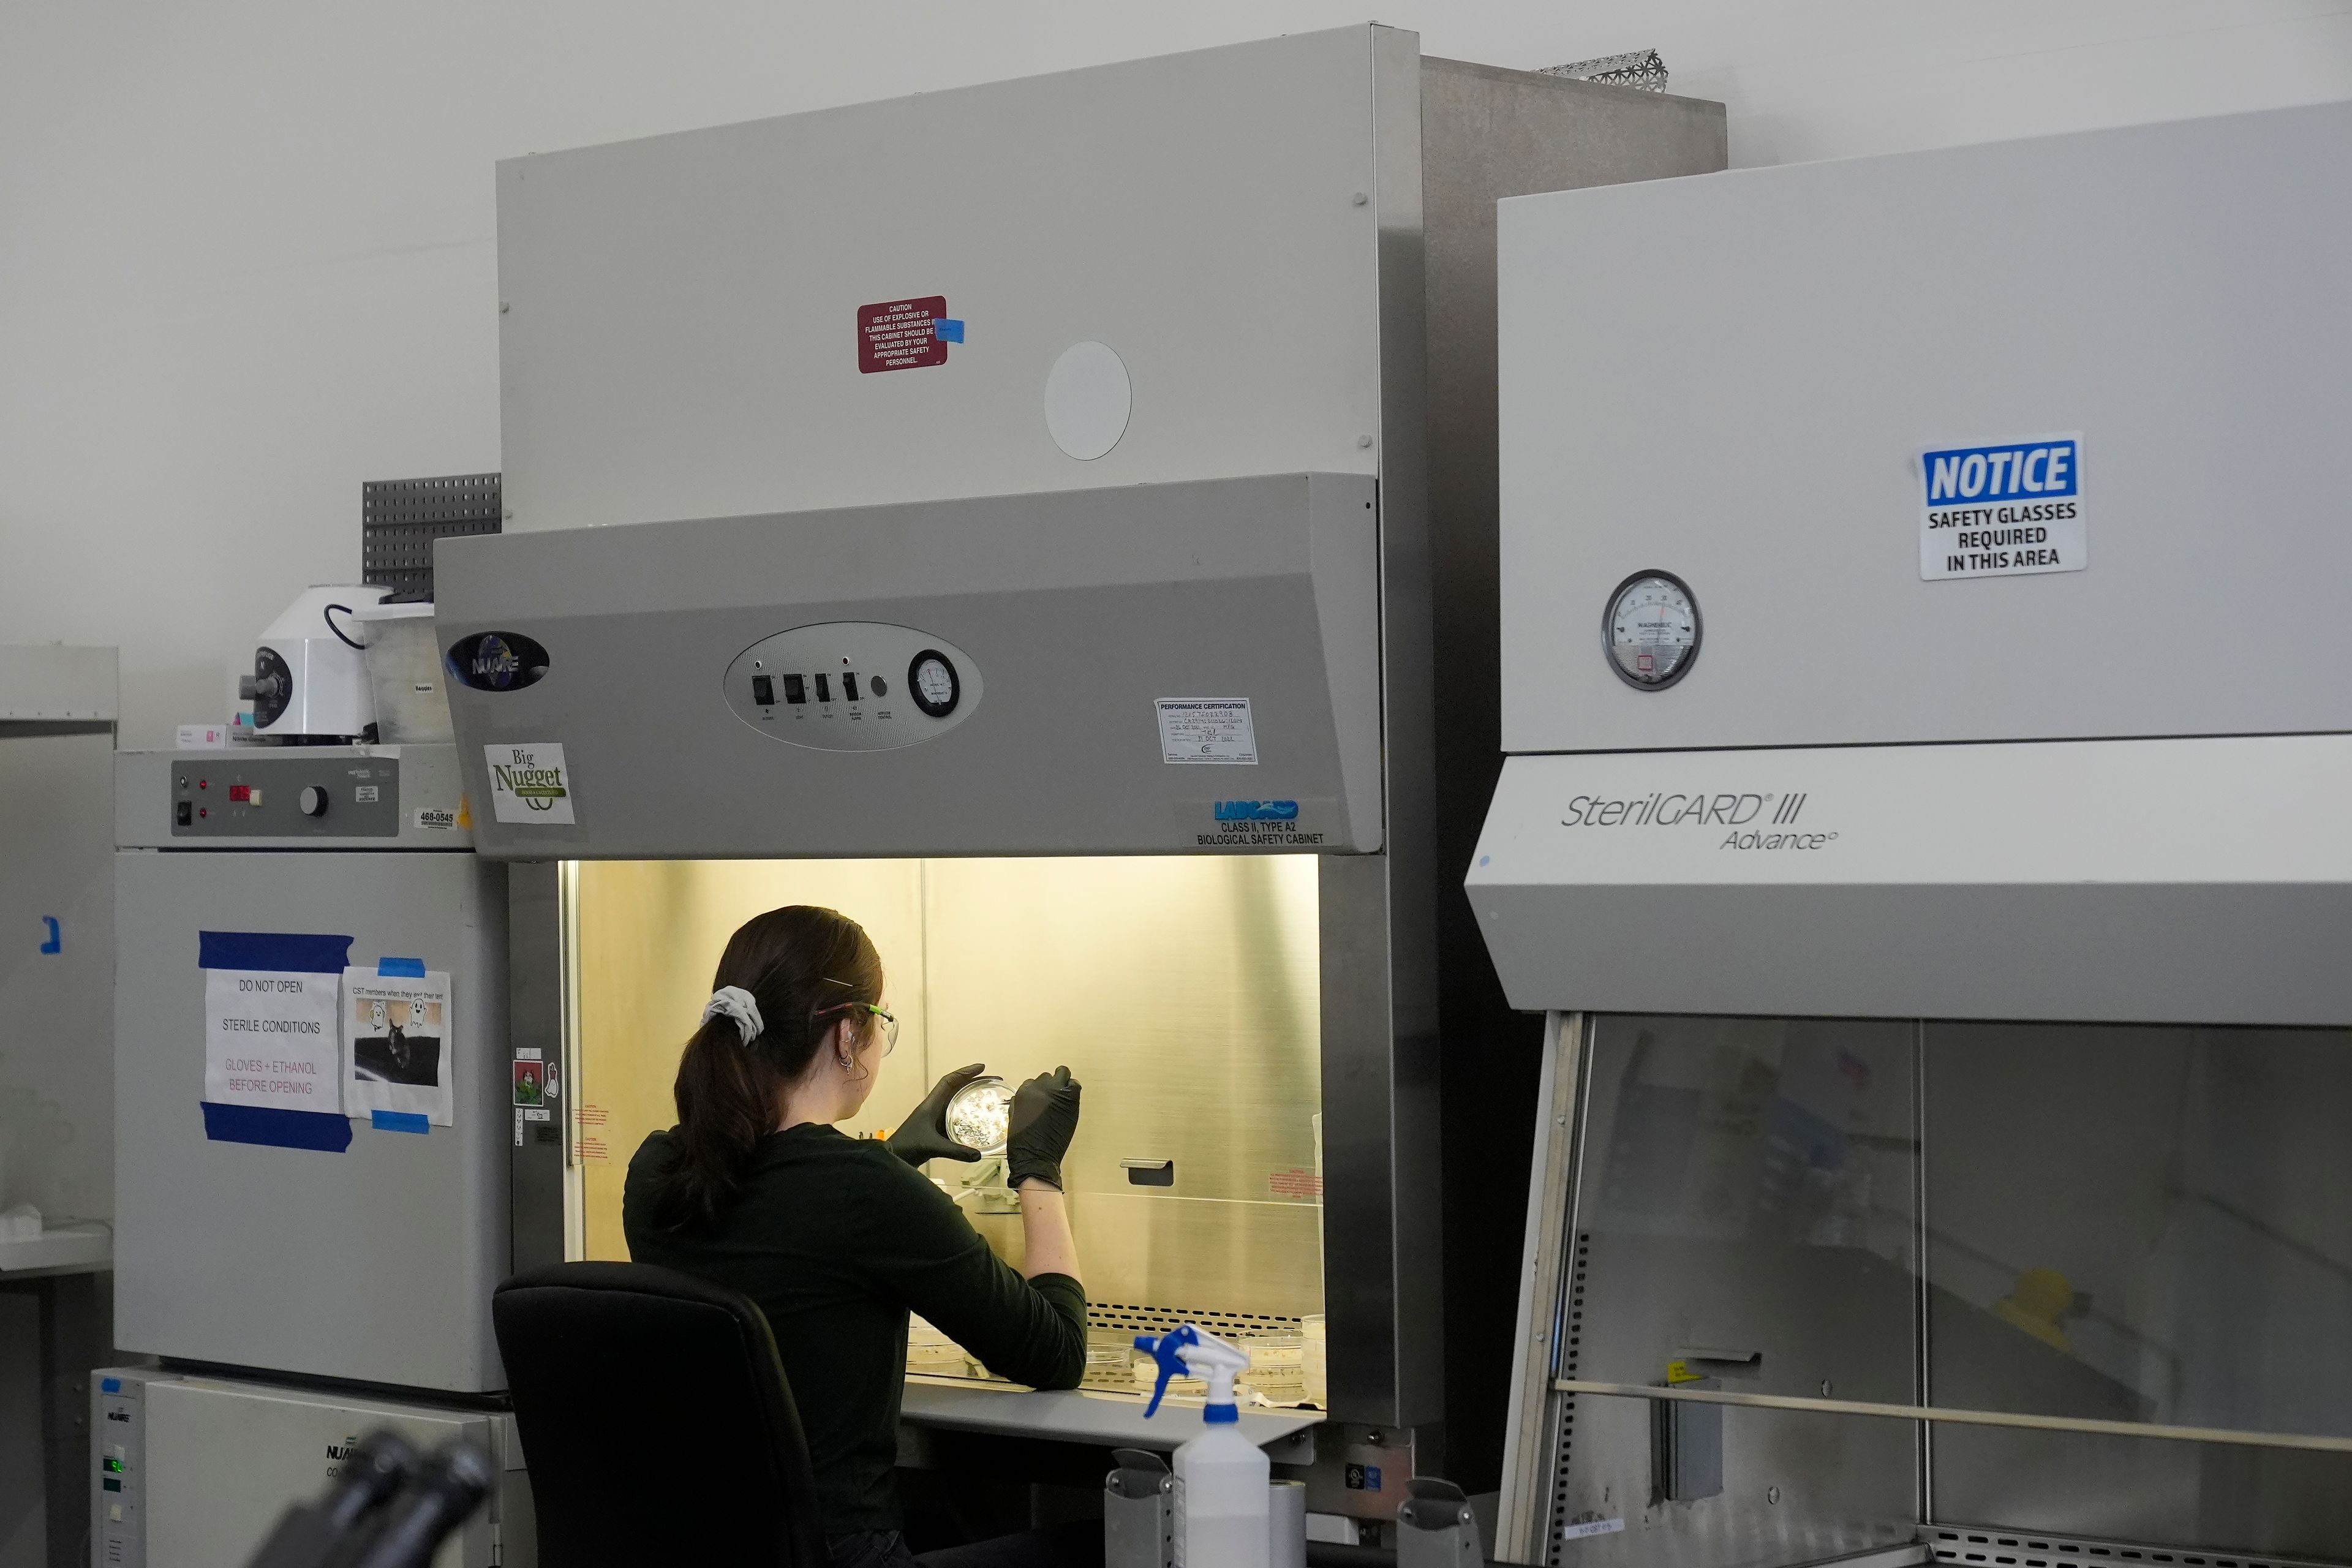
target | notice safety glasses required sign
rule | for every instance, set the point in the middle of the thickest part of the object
(2002, 511)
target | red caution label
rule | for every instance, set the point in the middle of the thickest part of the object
(902, 335)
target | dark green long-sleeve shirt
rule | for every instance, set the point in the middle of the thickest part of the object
(838, 1239)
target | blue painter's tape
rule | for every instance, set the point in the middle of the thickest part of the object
(948, 329)
(304, 952)
(401, 1120)
(406, 968)
(320, 1130)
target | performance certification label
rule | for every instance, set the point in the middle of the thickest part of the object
(1207, 730)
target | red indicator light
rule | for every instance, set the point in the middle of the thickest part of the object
(240, 792)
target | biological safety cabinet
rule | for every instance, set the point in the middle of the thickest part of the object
(1026, 519)
(1925, 827)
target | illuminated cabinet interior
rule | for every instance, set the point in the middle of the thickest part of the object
(1183, 991)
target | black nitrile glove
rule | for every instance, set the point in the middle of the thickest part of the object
(924, 1134)
(1044, 1119)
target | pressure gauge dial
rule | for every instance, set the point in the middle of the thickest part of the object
(1649, 630)
(931, 680)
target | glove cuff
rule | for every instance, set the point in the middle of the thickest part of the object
(1047, 1171)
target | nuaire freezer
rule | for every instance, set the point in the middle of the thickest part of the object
(1004, 515)
(1924, 827)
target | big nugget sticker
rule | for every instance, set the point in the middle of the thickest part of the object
(530, 784)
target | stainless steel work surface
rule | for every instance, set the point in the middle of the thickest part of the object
(1070, 617)
(681, 325)
(2139, 880)
(1110, 1420)
(374, 1264)
(1734, 378)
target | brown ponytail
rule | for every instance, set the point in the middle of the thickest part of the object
(800, 963)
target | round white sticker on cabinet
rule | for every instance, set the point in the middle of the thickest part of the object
(1087, 399)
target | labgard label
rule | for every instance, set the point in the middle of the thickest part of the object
(2003, 511)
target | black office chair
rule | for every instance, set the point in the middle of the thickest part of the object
(655, 1421)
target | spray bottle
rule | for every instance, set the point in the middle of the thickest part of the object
(1220, 1498)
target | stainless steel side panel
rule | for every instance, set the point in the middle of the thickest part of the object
(1078, 608)
(375, 1264)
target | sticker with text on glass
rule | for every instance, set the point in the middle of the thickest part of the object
(2002, 511)
(530, 784)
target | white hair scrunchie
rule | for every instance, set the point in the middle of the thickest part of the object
(736, 1002)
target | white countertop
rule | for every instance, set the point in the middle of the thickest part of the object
(1081, 1415)
(86, 1247)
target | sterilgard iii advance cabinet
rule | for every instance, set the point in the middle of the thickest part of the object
(1925, 829)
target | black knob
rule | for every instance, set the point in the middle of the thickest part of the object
(312, 801)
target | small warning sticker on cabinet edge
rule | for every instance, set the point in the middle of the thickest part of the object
(1207, 730)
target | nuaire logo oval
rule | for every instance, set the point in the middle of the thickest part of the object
(496, 661)
(1257, 811)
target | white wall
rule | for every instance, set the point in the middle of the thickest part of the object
(247, 248)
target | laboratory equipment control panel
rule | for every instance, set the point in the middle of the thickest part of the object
(119, 1472)
(853, 686)
(283, 794)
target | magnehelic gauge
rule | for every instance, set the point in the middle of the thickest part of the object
(931, 678)
(1649, 630)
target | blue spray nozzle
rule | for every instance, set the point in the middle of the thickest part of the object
(1168, 1350)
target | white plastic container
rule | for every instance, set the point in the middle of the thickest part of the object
(404, 674)
(1222, 1506)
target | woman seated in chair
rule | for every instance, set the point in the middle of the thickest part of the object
(838, 1238)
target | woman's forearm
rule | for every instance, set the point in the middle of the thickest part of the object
(1047, 1246)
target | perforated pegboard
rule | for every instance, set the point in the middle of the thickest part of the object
(1642, 69)
(1570, 1340)
(400, 518)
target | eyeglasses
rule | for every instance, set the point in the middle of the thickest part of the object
(889, 1021)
